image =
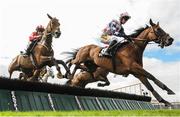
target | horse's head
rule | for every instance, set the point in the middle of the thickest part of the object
(158, 35)
(53, 27)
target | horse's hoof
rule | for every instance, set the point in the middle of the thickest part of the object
(170, 92)
(100, 85)
(59, 75)
(166, 103)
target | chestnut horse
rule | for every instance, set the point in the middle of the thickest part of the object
(129, 58)
(42, 54)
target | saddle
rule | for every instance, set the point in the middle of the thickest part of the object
(113, 50)
(33, 61)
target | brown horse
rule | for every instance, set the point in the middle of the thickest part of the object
(129, 58)
(84, 77)
(42, 54)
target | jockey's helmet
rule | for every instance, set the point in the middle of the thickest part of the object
(40, 28)
(125, 15)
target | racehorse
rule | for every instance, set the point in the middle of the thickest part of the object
(42, 54)
(128, 59)
(84, 77)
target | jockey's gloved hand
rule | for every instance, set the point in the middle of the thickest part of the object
(116, 33)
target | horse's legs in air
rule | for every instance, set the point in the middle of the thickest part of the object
(45, 78)
(10, 74)
(74, 70)
(159, 83)
(138, 72)
(106, 81)
(68, 73)
(35, 75)
(59, 74)
(23, 75)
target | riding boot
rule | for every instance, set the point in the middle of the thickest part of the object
(29, 48)
(111, 46)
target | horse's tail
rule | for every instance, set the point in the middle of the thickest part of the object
(70, 55)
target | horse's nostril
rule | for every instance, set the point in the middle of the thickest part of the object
(171, 39)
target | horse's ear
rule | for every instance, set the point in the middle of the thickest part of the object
(157, 23)
(151, 22)
(49, 16)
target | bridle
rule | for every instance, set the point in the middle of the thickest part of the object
(160, 34)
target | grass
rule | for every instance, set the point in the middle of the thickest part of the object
(95, 113)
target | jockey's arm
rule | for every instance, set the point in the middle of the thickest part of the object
(113, 27)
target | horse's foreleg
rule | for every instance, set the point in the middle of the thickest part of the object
(10, 74)
(59, 74)
(21, 75)
(74, 70)
(157, 82)
(45, 79)
(138, 72)
(35, 76)
(156, 95)
(68, 73)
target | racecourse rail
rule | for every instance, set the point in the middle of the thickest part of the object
(17, 95)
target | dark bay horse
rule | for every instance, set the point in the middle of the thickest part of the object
(129, 59)
(82, 78)
(43, 54)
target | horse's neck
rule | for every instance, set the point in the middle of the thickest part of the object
(142, 43)
(46, 40)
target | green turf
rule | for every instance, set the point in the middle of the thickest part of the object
(95, 113)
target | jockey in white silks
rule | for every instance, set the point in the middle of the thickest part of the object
(114, 33)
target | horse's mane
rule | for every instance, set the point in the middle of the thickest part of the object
(138, 31)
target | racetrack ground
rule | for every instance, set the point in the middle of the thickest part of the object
(166, 113)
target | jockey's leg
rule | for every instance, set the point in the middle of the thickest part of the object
(30, 47)
(111, 45)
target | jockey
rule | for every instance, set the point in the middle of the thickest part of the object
(114, 31)
(34, 38)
